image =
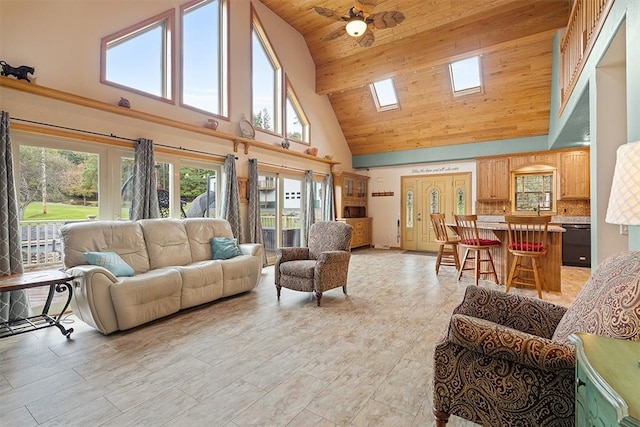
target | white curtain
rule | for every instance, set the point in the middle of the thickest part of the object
(144, 202)
(230, 206)
(13, 304)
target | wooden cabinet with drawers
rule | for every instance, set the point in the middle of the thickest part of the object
(361, 231)
(351, 205)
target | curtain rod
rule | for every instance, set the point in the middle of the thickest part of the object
(117, 137)
(287, 167)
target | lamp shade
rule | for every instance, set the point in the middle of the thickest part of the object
(624, 200)
(356, 27)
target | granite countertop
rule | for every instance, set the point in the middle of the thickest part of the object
(556, 219)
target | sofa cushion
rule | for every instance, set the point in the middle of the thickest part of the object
(200, 231)
(167, 242)
(241, 274)
(609, 303)
(146, 297)
(111, 261)
(122, 237)
(201, 282)
(224, 248)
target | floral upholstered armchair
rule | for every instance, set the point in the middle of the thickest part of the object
(506, 359)
(321, 266)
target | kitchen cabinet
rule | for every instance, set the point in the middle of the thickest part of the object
(493, 178)
(574, 175)
(607, 378)
(350, 192)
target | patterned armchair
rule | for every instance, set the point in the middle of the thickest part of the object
(506, 359)
(321, 266)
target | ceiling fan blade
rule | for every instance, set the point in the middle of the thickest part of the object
(388, 19)
(367, 39)
(334, 35)
(328, 13)
(365, 5)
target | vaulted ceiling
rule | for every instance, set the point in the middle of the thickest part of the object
(513, 37)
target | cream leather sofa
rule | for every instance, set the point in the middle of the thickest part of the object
(173, 265)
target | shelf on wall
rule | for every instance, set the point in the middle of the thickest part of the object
(152, 118)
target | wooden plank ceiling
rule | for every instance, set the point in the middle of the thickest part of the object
(514, 38)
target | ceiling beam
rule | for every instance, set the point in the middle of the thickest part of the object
(439, 45)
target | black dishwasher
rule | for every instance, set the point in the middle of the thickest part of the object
(576, 245)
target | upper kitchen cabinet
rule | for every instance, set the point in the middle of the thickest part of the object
(574, 175)
(493, 179)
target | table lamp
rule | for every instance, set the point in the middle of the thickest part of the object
(624, 200)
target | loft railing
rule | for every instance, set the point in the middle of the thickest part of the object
(585, 22)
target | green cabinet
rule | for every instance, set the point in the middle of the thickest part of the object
(607, 381)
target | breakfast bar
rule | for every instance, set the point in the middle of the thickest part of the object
(502, 258)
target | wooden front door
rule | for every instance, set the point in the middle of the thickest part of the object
(423, 195)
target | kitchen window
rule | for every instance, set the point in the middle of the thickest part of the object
(534, 191)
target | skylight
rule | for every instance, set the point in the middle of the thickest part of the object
(384, 95)
(466, 76)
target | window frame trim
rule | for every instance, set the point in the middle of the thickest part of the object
(306, 126)
(256, 25)
(471, 90)
(223, 58)
(376, 99)
(169, 49)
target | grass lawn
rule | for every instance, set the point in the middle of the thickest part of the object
(57, 211)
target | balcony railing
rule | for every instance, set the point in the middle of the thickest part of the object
(585, 22)
(41, 243)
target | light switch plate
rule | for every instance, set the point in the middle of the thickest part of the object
(624, 229)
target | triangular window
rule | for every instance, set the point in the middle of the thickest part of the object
(266, 76)
(297, 125)
(139, 57)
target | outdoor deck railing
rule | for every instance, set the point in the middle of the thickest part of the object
(41, 244)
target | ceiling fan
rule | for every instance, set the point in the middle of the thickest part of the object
(360, 21)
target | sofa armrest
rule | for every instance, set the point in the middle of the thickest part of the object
(92, 301)
(330, 257)
(497, 341)
(292, 254)
(253, 249)
(530, 315)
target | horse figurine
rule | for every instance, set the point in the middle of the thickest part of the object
(21, 72)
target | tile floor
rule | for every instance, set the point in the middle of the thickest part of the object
(361, 360)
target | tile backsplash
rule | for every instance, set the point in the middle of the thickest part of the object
(565, 208)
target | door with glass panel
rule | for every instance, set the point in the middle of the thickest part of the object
(424, 195)
(281, 201)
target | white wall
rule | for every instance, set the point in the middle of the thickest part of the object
(61, 39)
(386, 210)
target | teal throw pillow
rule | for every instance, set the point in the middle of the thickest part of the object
(224, 248)
(111, 261)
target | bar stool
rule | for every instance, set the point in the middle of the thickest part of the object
(470, 240)
(448, 249)
(527, 239)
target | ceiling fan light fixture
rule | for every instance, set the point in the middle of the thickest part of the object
(356, 27)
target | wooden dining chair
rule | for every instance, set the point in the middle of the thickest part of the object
(467, 230)
(448, 249)
(527, 239)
